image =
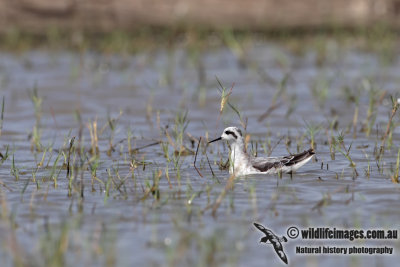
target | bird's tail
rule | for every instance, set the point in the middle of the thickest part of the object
(297, 158)
(300, 159)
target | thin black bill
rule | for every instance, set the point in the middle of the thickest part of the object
(219, 138)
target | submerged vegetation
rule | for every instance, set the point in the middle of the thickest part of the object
(119, 170)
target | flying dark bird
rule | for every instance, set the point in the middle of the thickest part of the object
(274, 241)
(241, 163)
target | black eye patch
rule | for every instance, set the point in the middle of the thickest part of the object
(231, 133)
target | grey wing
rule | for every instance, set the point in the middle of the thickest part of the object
(265, 164)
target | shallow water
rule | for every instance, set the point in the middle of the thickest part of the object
(128, 226)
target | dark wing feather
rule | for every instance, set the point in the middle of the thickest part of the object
(279, 250)
(260, 227)
(266, 231)
(296, 158)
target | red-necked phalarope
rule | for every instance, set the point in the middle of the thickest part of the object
(240, 163)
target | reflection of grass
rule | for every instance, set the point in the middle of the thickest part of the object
(374, 100)
(394, 174)
(395, 177)
(320, 91)
(209, 247)
(368, 168)
(93, 137)
(389, 126)
(36, 132)
(2, 115)
(56, 242)
(112, 123)
(312, 131)
(14, 169)
(54, 173)
(339, 144)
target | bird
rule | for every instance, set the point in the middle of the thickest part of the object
(242, 164)
(274, 240)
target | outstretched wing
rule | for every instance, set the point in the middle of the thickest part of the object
(260, 227)
(274, 240)
(266, 231)
(279, 250)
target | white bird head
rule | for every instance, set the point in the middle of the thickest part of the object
(230, 134)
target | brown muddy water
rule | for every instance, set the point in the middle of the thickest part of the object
(140, 204)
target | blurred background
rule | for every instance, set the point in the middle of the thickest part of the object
(107, 16)
(73, 20)
(105, 103)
